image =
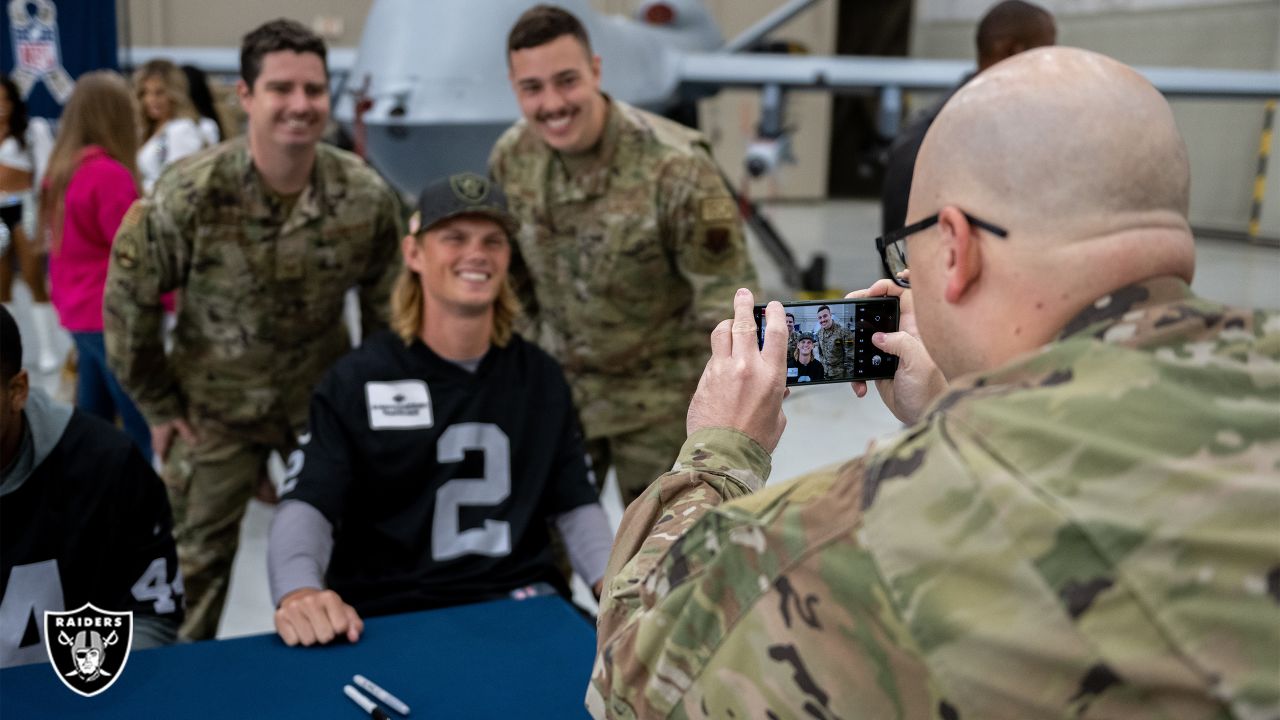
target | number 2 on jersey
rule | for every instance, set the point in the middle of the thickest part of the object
(494, 539)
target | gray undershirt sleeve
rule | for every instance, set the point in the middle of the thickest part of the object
(151, 631)
(299, 546)
(587, 539)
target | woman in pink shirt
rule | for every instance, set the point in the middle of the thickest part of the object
(90, 184)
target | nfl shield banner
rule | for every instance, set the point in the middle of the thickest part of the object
(88, 647)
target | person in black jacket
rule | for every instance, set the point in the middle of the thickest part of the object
(83, 519)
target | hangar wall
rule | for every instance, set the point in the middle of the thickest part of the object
(1223, 136)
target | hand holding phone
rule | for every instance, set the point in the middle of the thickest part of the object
(918, 381)
(829, 341)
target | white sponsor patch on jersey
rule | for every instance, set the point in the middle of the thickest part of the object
(401, 405)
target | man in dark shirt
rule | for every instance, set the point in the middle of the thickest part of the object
(117, 551)
(437, 455)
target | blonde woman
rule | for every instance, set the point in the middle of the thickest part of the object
(90, 184)
(169, 120)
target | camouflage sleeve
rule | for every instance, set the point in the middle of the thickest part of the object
(766, 606)
(152, 248)
(714, 465)
(703, 232)
(384, 266)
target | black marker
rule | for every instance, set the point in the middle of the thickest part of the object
(365, 703)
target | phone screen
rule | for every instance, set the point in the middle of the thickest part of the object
(829, 341)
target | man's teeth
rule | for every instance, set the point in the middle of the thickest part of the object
(558, 123)
(474, 276)
(296, 124)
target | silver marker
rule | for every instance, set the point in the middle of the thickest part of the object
(365, 703)
(372, 688)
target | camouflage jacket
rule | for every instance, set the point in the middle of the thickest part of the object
(625, 267)
(1088, 531)
(836, 348)
(260, 315)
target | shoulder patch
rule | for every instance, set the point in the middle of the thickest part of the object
(717, 210)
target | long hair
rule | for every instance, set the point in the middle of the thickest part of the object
(408, 301)
(175, 87)
(202, 97)
(18, 118)
(100, 112)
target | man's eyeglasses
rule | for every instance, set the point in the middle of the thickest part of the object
(893, 245)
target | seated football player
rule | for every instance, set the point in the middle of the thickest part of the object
(83, 519)
(439, 454)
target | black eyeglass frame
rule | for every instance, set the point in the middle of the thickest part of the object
(889, 239)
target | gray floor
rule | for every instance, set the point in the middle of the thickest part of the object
(826, 424)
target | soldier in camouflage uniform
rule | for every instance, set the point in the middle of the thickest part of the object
(793, 335)
(835, 346)
(630, 244)
(262, 237)
(1080, 523)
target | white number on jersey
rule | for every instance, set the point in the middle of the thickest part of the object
(494, 539)
(153, 586)
(32, 589)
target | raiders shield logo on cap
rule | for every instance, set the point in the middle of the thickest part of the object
(88, 647)
(469, 187)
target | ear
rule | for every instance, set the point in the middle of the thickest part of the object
(411, 250)
(962, 252)
(244, 93)
(595, 66)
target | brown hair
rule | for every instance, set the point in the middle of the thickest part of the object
(100, 112)
(408, 301)
(175, 86)
(541, 24)
(275, 36)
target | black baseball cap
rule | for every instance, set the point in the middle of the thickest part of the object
(464, 194)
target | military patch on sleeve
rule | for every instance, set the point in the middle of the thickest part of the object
(128, 239)
(717, 210)
(715, 240)
(134, 215)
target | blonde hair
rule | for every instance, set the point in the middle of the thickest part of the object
(408, 301)
(175, 87)
(99, 112)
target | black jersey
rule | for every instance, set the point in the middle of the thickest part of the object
(439, 482)
(90, 524)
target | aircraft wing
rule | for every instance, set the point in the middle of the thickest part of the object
(854, 75)
(219, 60)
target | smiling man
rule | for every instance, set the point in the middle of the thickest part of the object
(263, 236)
(630, 243)
(438, 454)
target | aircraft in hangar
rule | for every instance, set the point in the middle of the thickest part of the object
(426, 91)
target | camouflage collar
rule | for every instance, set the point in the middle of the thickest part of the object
(591, 179)
(1111, 309)
(259, 202)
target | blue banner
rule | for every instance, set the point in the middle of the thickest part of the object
(46, 44)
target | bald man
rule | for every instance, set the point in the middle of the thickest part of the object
(1008, 28)
(1081, 519)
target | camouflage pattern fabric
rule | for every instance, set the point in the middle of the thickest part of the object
(792, 339)
(209, 485)
(262, 281)
(625, 265)
(1088, 531)
(638, 457)
(835, 346)
(261, 286)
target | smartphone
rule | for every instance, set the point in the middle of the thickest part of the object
(841, 330)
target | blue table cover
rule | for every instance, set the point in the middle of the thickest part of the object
(506, 659)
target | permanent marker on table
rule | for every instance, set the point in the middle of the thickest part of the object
(372, 688)
(365, 703)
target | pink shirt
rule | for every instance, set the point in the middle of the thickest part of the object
(100, 192)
